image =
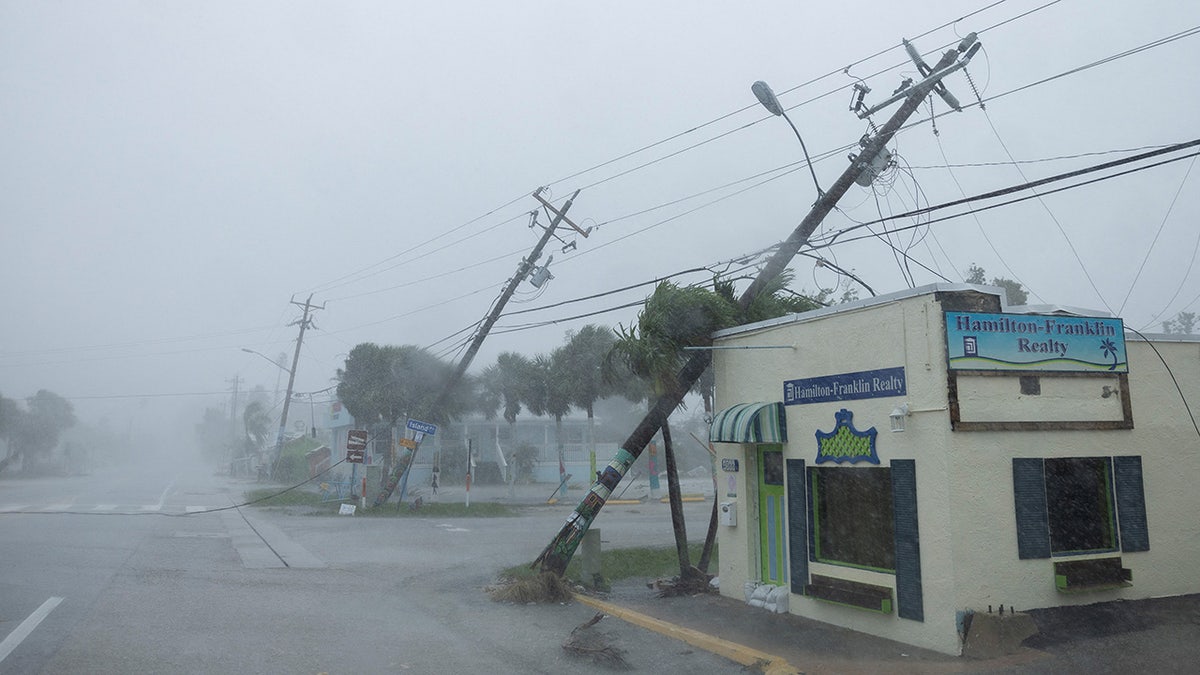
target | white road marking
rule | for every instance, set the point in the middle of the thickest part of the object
(450, 528)
(22, 631)
(163, 497)
(151, 507)
(196, 509)
(56, 507)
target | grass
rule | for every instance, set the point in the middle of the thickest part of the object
(300, 497)
(624, 563)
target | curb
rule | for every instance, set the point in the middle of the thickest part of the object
(741, 654)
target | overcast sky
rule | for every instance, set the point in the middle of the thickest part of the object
(173, 173)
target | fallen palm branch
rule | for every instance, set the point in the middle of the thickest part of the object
(586, 642)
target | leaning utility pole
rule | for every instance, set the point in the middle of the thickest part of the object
(523, 271)
(558, 552)
(305, 322)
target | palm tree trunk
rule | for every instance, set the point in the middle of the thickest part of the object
(676, 499)
(710, 539)
(558, 552)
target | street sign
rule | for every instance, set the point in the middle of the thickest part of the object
(355, 456)
(356, 439)
(408, 443)
(423, 427)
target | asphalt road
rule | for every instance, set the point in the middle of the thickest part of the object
(124, 572)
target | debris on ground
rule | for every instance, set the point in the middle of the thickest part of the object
(543, 588)
(587, 642)
(694, 582)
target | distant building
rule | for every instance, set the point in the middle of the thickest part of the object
(899, 465)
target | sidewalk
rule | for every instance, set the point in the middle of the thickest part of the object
(1160, 636)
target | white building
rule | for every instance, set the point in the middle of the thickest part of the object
(897, 464)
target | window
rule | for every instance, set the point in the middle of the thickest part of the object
(851, 516)
(1079, 505)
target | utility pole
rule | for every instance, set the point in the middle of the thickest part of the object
(523, 270)
(558, 552)
(305, 322)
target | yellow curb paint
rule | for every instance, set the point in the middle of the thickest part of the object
(746, 656)
(626, 502)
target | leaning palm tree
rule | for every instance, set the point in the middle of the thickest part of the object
(674, 318)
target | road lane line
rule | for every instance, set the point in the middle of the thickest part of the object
(163, 497)
(21, 632)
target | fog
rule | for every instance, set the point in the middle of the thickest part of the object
(177, 173)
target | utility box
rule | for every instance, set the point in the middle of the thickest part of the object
(729, 514)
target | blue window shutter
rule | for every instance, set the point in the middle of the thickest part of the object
(1033, 522)
(1131, 504)
(797, 515)
(909, 596)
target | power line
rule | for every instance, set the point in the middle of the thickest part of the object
(1161, 225)
(1037, 183)
(362, 273)
(1012, 201)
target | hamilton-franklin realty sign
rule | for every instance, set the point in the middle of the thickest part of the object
(845, 386)
(1035, 342)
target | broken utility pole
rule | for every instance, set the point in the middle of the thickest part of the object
(305, 322)
(523, 271)
(558, 552)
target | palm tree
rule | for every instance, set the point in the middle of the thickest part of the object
(257, 424)
(674, 317)
(585, 352)
(506, 384)
(550, 395)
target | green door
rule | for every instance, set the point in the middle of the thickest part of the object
(771, 526)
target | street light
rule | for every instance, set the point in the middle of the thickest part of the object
(766, 97)
(277, 365)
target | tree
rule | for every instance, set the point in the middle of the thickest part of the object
(1184, 322)
(585, 352)
(10, 417)
(256, 422)
(1013, 292)
(674, 317)
(381, 384)
(385, 383)
(550, 394)
(505, 385)
(38, 428)
(213, 435)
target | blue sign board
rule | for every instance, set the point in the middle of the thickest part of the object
(1035, 342)
(846, 386)
(423, 427)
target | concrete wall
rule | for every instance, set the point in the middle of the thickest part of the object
(985, 543)
(965, 499)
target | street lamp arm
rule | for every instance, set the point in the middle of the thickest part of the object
(807, 159)
(286, 370)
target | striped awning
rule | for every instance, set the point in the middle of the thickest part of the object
(750, 423)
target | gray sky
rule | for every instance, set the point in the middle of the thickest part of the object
(174, 172)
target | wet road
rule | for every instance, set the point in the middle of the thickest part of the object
(124, 572)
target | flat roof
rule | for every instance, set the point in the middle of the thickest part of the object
(929, 289)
